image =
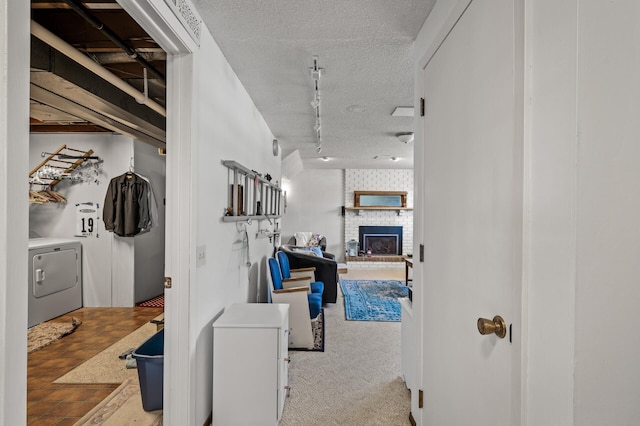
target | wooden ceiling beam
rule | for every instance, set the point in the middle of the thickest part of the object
(62, 5)
(111, 49)
(67, 128)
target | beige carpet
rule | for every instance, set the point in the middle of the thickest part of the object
(122, 408)
(356, 380)
(48, 332)
(106, 367)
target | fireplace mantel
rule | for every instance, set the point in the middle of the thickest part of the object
(398, 210)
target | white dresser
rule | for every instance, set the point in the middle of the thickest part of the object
(250, 364)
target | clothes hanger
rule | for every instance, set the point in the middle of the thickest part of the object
(131, 172)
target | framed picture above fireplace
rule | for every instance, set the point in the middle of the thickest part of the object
(380, 199)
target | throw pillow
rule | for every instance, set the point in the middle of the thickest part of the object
(314, 241)
(302, 238)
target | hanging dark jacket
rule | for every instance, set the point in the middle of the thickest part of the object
(122, 204)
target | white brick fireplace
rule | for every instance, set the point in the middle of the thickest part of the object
(378, 180)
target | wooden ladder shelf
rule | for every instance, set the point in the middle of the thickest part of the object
(62, 163)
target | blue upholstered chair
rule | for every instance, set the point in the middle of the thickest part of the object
(314, 299)
(288, 273)
(304, 307)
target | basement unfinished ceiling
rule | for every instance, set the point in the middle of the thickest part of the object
(67, 97)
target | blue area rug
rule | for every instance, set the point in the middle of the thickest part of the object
(375, 300)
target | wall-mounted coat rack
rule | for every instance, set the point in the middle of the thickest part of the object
(56, 166)
(251, 196)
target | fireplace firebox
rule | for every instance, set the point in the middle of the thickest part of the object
(381, 240)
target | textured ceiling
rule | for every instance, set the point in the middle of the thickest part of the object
(366, 50)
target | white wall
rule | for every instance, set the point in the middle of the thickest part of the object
(59, 220)
(585, 241)
(149, 246)
(111, 271)
(552, 152)
(607, 377)
(314, 200)
(227, 126)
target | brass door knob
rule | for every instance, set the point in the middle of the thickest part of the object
(497, 326)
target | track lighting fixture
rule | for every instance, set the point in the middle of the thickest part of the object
(316, 73)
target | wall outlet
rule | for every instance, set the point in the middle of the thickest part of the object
(201, 256)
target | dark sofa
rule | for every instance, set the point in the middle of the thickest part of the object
(326, 270)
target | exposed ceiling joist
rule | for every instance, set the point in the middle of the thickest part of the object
(99, 115)
(62, 5)
(68, 98)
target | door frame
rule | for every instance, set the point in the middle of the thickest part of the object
(14, 209)
(159, 20)
(440, 23)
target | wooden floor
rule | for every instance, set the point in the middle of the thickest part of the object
(64, 404)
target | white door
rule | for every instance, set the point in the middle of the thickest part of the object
(472, 220)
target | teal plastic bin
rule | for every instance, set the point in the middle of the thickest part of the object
(150, 361)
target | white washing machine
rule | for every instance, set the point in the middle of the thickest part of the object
(55, 278)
